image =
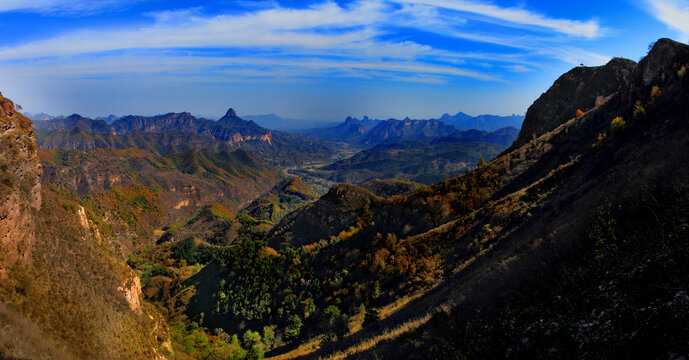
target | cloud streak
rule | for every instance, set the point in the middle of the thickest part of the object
(674, 14)
(516, 16)
(325, 38)
(81, 7)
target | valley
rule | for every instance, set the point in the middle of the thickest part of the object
(179, 237)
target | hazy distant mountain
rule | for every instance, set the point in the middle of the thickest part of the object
(275, 122)
(392, 130)
(463, 121)
(109, 119)
(373, 131)
(422, 161)
(352, 130)
(38, 116)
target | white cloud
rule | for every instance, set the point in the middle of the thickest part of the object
(325, 39)
(61, 6)
(587, 29)
(674, 13)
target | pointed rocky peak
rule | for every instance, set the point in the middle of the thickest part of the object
(350, 120)
(230, 113)
(580, 88)
(663, 62)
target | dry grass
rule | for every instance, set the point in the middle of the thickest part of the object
(387, 335)
(303, 349)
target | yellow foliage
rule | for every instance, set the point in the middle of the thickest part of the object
(618, 125)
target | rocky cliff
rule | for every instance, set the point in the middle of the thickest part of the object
(63, 293)
(581, 88)
(20, 189)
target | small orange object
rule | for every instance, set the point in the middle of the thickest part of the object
(580, 113)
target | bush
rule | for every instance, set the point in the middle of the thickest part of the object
(293, 327)
(656, 93)
(639, 111)
(251, 338)
(618, 125)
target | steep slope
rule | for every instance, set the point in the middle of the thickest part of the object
(386, 188)
(20, 189)
(136, 192)
(565, 254)
(352, 272)
(63, 295)
(581, 88)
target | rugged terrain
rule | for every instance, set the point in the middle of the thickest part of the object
(553, 247)
(571, 243)
(426, 161)
(63, 295)
(175, 132)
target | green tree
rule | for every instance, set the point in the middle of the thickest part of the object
(294, 325)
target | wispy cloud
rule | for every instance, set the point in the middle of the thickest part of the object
(324, 39)
(81, 7)
(674, 13)
(516, 16)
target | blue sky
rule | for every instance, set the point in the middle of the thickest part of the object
(320, 60)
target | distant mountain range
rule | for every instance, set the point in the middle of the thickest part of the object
(373, 131)
(421, 161)
(275, 122)
(180, 132)
(463, 121)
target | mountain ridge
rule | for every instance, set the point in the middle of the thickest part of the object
(173, 132)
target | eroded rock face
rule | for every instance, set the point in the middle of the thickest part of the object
(20, 189)
(132, 292)
(577, 89)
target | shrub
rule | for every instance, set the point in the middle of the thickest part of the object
(618, 125)
(294, 325)
(580, 113)
(682, 72)
(251, 338)
(656, 93)
(639, 111)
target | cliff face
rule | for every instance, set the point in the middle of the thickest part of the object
(581, 88)
(20, 189)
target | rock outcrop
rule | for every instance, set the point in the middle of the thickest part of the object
(580, 88)
(131, 290)
(20, 189)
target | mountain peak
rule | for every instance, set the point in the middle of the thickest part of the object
(231, 113)
(579, 88)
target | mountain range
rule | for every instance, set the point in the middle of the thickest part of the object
(421, 161)
(570, 243)
(180, 131)
(368, 132)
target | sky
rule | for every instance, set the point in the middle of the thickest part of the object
(317, 60)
